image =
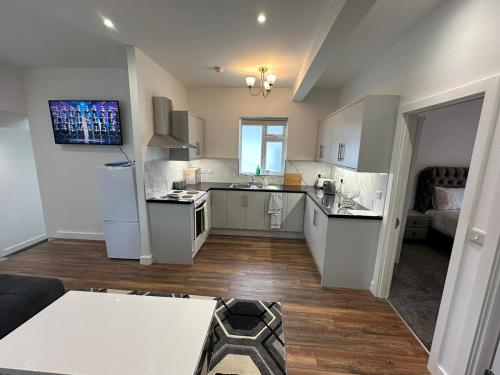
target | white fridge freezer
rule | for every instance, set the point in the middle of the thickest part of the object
(119, 213)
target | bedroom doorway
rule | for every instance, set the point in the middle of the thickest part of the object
(442, 150)
(459, 338)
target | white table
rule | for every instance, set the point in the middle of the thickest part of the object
(99, 333)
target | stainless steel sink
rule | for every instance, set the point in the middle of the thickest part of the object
(253, 186)
(245, 186)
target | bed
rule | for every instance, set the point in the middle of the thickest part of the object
(443, 221)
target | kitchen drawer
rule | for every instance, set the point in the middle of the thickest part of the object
(415, 234)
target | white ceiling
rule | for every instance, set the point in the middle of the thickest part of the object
(189, 37)
(387, 21)
(186, 37)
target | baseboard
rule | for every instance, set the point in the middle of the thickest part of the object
(256, 233)
(146, 260)
(79, 235)
(24, 244)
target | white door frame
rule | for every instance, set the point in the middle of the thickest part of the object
(400, 165)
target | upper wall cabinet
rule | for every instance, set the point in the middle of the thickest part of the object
(360, 136)
(323, 146)
(194, 132)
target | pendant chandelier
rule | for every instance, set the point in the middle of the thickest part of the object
(266, 84)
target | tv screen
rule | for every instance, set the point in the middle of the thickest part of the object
(90, 122)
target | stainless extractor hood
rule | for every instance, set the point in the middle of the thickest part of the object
(164, 130)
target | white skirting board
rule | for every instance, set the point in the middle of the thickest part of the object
(23, 245)
(79, 235)
(146, 260)
(255, 233)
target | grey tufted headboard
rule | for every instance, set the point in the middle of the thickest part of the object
(450, 177)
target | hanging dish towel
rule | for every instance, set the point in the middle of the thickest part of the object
(275, 206)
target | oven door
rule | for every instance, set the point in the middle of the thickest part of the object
(200, 219)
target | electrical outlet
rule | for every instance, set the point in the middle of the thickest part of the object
(378, 195)
(203, 171)
(210, 171)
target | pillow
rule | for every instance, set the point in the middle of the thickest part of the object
(448, 198)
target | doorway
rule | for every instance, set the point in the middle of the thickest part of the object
(442, 151)
(21, 215)
(455, 344)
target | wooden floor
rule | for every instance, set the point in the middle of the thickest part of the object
(326, 331)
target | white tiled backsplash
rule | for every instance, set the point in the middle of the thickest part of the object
(226, 170)
(366, 184)
(160, 174)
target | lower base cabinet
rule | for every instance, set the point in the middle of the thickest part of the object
(249, 210)
(315, 232)
(343, 249)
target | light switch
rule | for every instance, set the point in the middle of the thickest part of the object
(379, 194)
(477, 236)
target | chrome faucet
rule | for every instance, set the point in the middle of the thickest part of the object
(252, 180)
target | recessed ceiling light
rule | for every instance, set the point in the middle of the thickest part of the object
(261, 18)
(108, 23)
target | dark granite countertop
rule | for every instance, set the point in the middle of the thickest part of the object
(329, 204)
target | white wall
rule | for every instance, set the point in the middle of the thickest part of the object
(21, 209)
(446, 139)
(12, 97)
(148, 79)
(21, 214)
(448, 134)
(221, 109)
(153, 80)
(454, 45)
(66, 173)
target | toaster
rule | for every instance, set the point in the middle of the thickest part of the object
(321, 181)
(329, 187)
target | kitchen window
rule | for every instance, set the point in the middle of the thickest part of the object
(262, 146)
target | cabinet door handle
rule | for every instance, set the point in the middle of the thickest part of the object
(338, 152)
(320, 151)
(197, 148)
(315, 217)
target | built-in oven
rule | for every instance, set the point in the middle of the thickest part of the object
(200, 222)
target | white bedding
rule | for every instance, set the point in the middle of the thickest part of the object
(444, 221)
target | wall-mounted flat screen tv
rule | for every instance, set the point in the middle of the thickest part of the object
(88, 122)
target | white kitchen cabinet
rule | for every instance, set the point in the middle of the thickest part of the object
(323, 147)
(315, 232)
(196, 136)
(218, 208)
(245, 210)
(362, 133)
(352, 125)
(235, 209)
(194, 133)
(295, 203)
(171, 228)
(344, 249)
(255, 210)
